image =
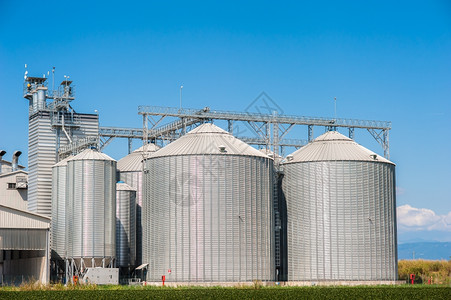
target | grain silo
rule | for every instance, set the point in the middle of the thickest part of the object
(130, 171)
(341, 221)
(58, 227)
(91, 210)
(125, 225)
(208, 204)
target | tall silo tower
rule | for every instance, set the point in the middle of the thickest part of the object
(125, 225)
(208, 208)
(58, 228)
(91, 211)
(341, 212)
(52, 124)
(130, 170)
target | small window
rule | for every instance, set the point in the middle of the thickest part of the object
(11, 185)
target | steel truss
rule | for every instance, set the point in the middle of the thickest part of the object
(270, 129)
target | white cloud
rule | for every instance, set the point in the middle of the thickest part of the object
(414, 219)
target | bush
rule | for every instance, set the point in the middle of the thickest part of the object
(360, 292)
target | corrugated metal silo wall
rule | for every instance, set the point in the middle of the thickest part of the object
(125, 228)
(58, 228)
(209, 218)
(42, 155)
(135, 179)
(91, 209)
(341, 220)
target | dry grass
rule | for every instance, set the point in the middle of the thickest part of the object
(424, 270)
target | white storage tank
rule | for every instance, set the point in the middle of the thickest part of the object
(341, 212)
(58, 227)
(125, 225)
(208, 208)
(91, 209)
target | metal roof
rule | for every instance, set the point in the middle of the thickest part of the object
(208, 139)
(91, 154)
(63, 162)
(19, 219)
(133, 161)
(121, 186)
(333, 146)
(14, 173)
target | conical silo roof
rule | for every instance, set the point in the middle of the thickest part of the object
(63, 162)
(91, 154)
(208, 139)
(133, 161)
(122, 186)
(334, 146)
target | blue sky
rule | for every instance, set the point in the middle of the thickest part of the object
(383, 60)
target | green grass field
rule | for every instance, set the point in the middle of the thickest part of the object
(118, 292)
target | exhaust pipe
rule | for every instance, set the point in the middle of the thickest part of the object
(2, 152)
(15, 162)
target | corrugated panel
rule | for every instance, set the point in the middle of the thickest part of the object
(41, 158)
(125, 225)
(91, 208)
(135, 180)
(207, 139)
(341, 221)
(23, 239)
(15, 218)
(209, 218)
(42, 155)
(333, 146)
(58, 229)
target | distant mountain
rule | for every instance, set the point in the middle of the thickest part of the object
(425, 250)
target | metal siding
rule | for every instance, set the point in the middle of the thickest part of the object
(125, 227)
(340, 220)
(208, 218)
(23, 239)
(42, 155)
(18, 219)
(91, 209)
(58, 227)
(135, 180)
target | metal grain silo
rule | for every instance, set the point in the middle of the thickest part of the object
(91, 209)
(130, 170)
(208, 204)
(125, 225)
(341, 221)
(58, 228)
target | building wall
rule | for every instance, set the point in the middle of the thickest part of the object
(13, 197)
(43, 143)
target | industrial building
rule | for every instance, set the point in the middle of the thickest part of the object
(51, 125)
(24, 236)
(197, 203)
